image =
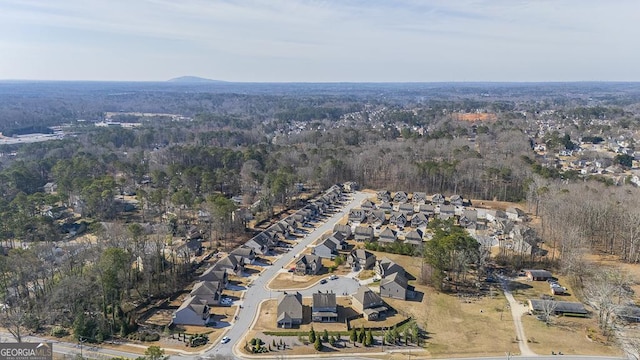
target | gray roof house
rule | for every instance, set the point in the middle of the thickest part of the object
(400, 197)
(212, 274)
(369, 304)
(437, 199)
(367, 205)
(361, 259)
(356, 215)
(210, 291)
(469, 218)
(383, 195)
(413, 237)
(260, 243)
(427, 209)
(419, 198)
(406, 208)
(538, 275)
(385, 206)
(525, 240)
(456, 200)
(363, 233)
(244, 254)
(289, 310)
(324, 307)
(326, 249)
(398, 219)
(193, 311)
(339, 239)
(385, 267)
(396, 286)
(447, 211)
(515, 214)
(419, 220)
(558, 307)
(387, 236)
(343, 229)
(376, 217)
(230, 264)
(308, 264)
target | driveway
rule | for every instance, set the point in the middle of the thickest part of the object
(517, 310)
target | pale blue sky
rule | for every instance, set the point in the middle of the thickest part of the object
(314, 40)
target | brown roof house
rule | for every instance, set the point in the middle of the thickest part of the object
(289, 310)
(324, 307)
(369, 304)
(308, 265)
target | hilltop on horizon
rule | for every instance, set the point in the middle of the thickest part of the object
(194, 79)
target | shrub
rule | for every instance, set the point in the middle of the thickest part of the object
(59, 331)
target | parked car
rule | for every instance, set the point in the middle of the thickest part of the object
(323, 281)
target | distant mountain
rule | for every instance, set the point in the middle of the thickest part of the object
(193, 79)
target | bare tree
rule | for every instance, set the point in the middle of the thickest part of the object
(605, 292)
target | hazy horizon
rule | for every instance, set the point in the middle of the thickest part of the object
(351, 41)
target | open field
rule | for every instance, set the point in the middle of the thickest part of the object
(567, 335)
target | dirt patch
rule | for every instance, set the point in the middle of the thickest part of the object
(474, 116)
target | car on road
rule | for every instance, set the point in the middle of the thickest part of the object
(225, 340)
(323, 281)
(333, 277)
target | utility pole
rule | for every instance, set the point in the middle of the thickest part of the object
(80, 342)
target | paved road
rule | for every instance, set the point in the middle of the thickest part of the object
(259, 292)
(517, 310)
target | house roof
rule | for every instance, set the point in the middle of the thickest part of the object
(195, 304)
(569, 307)
(367, 297)
(290, 305)
(205, 288)
(515, 210)
(420, 217)
(344, 229)
(324, 300)
(395, 278)
(244, 252)
(362, 254)
(389, 267)
(309, 259)
(213, 274)
(364, 231)
(447, 209)
(388, 235)
(540, 273)
(366, 203)
(385, 205)
(227, 262)
(414, 235)
(331, 245)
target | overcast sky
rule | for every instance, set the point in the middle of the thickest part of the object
(321, 41)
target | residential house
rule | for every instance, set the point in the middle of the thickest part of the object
(398, 219)
(367, 205)
(556, 307)
(419, 220)
(525, 240)
(456, 200)
(383, 195)
(419, 198)
(495, 215)
(413, 237)
(289, 310)
(406, 208)
(469, 218)
(427, 209)
(361, 259)
(515, 214)
(50, 187)
(193, 311)
(400, 197)
(538, 275)
(345, 230)
(437, 199)
(385, 267)
(387, 236)
(350, 186)
(326, 249)
(261, 243)
(370, 304)
(324, 307)
(363, 233)
(396, 286)
(308, 265)
(446, 212)
(357, 216)
(212, 274)
(376, 218)
(243, 254)
(210, 291)
(386, 207)
(230, 264)
(338, 239)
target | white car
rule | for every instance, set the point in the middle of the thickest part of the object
(225, 340)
